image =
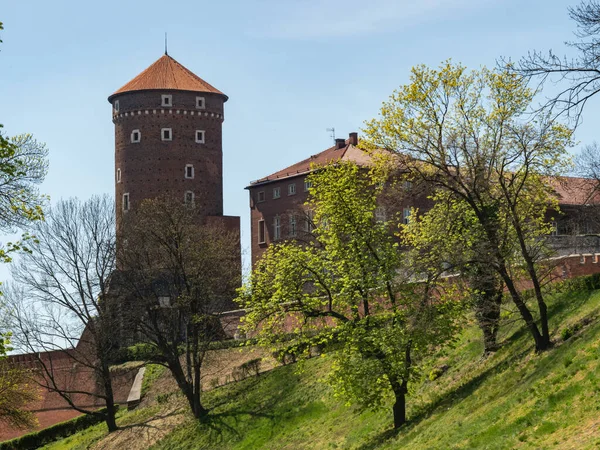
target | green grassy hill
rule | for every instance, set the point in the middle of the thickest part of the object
(512, 399)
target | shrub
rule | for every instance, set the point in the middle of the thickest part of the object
(58, 431)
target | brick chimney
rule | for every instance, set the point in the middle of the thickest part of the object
(353, 138)
(340, 143)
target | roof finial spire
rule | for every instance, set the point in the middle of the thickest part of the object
(166, 53)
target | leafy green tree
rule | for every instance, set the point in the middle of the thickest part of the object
(351, 286)
(467, 133)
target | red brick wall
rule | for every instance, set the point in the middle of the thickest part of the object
(154, 167)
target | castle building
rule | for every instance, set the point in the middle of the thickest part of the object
(168, 141)
(278, 211)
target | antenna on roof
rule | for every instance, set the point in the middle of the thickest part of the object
(332, 133)
(166, 53)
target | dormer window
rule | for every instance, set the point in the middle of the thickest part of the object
(199, 136)
(167, 100)
(136, 136)
(189, 171)
(200, 103)
(166, 134)
(116, 105)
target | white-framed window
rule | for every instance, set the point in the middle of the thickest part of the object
(118, 175)
(380, 214)
(166, 134)
(200, 136)
(188, 198)
(406, 216)
(189, 171)
(166, 100)
(262, 235)
(260, 196)
(276, 228)
(164, 302)
(126, 204)
(276, 192)
(307, 185)
(136, 136)
(292, 189)
(200, 103)
(116, 105)
(292, 229)
(582, 259)
(309, 221)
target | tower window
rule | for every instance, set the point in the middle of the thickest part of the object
(166, 134)
(260, 197)
(189, 171)
(167, 100)
(136, 136)
(276, 192)
(261, 232)
(276, 228)
(200, 136)
(200, 102)
(126, 202)
(292, 189)
(116, 105)
(189, 198)
(118, 175)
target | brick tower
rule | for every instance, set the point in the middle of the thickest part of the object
(168, 139)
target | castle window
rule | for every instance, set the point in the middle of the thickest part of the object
(189, 171)
(136, 136)
(292, 189)
(200, 136)
(406, 216)
(309, 221)
(116, 105)
(276, 192)
(200, 102)
(307, 185)
(380, 215)
(292, 225)
(167, 100)
(276, 228)
(261, 232)
(188, 198)
(118, 175)
(166, 134)
(126, 202)
(260, 197)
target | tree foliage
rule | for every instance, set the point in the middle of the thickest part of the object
(466, 134)
(351, 286)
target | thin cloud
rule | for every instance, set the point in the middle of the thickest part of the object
(310, 19)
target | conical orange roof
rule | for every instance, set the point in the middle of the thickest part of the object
(166, 73)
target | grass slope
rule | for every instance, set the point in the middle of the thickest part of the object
(513, 399)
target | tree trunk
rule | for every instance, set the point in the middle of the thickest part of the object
(111, 410)
(399, 408)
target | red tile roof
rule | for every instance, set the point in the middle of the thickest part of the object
(166, 73)
(576, 191)
(347, 153)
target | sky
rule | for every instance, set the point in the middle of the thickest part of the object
(291, 69)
